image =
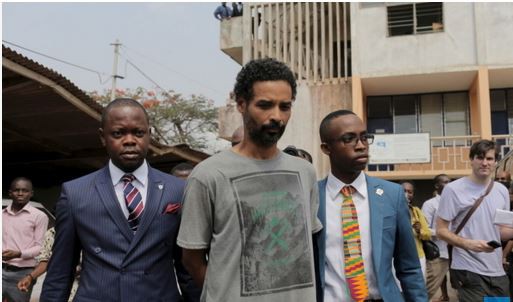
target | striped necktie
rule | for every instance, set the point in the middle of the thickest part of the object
(133, 201)
(353, 260)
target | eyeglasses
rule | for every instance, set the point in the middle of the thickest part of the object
(352, 139)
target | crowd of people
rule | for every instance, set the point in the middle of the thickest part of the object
(253, 223)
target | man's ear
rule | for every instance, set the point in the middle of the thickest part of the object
(325, 148)
(241, 105)
(102, 139)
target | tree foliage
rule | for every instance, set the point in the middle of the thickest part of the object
(175, 119)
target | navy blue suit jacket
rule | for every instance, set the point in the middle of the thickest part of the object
(117, 265)
(392, 242)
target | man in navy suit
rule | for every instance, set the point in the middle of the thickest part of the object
(386, 237)
(124, 218)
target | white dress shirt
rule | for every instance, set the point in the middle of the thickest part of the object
(140, 182)
(336, 287)
(429, 208)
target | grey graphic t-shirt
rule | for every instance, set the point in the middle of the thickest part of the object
(257, 218)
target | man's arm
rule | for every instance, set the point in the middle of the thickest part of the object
(66, 254)
(195, 261)
(41, 224)
(406, 258)
(26, 281)
(506, 233)
(443, 232)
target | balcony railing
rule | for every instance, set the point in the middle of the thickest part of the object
(312, 38)
(449, 155)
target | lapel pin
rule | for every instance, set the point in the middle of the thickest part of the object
(379, 192)
(161, 186)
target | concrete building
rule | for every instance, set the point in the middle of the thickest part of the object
(440, 68)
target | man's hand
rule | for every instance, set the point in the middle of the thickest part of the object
(416, 227)
(477, 246)
(24, 283)
(10, 254)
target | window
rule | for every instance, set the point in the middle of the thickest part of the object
(440, 114)
(415, 18)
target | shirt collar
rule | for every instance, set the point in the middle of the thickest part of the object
(141, 173)
(334, 185)
(27, 208)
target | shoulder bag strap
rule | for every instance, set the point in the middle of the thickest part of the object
(474, 207)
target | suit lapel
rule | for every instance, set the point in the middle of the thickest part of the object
(376, 196)
(153, 201)
(111, 203)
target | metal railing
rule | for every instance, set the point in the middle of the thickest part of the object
(311, 37)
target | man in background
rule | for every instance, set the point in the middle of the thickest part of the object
(23, 230)
(437, 269)
(223, 12)
(182, 170)
(476, 266)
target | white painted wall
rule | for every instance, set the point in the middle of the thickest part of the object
(474, 34)
(494, 27)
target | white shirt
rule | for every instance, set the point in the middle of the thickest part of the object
(140, 182)
(429, 208)
(336, 288)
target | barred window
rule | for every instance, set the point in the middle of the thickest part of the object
(415, 18)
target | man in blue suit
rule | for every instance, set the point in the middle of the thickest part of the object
(383, 223)
(124, 218)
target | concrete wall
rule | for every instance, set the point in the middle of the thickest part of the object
(494, 31)
(312, 104)
(474, 34)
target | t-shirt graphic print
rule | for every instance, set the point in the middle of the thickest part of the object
(275, 254)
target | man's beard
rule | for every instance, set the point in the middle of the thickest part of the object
(260, 135)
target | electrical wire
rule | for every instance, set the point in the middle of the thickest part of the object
(62, 61)
(174, 71)
(145, 75)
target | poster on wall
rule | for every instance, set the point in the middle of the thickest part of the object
(400, 148)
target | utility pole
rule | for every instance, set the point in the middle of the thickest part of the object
(115, 75)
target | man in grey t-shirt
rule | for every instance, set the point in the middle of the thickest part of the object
(476, 268)
(253, 208)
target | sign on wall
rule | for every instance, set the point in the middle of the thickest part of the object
(400, 148)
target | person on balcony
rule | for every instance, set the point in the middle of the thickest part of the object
(237, 9)
(223, 12)
(476, 268)
(367, 230)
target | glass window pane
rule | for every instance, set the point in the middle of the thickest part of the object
(431, 116)
(379, 106)
(429, 16)
(405, 120)
(498, 100)
(400, 20)
(456, 114)
(509, 104)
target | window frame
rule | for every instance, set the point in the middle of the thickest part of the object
(415, 30)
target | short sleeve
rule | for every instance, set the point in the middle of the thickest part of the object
(46, 249)
(197, 217)
(449, 204)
